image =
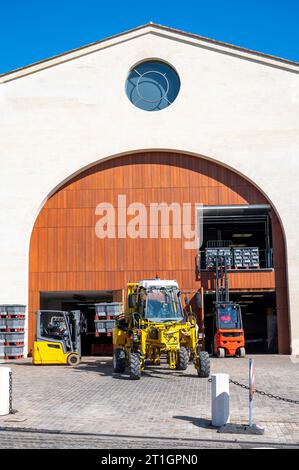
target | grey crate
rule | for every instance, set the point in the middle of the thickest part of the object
(100, 326)
(16, 309)
(223, 254)
(115, 308)
(101, 309)
(11, 323)
(246, 257)
(108, 308)
(13, 350)
(12, 309)
(1, 348)
(104, 326)
(12, 337)
(109, 325)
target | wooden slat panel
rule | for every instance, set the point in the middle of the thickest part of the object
(242, 280)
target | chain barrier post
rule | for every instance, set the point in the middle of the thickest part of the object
(5, 395)
(220, 399)
(10, 393)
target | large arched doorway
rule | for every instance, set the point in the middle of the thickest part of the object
(69, 264)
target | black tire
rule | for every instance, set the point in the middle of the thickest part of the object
(183, 359)
(119, 360)
(73, 359)
(204, 365)
(135, 366)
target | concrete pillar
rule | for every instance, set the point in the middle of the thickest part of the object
(220, 399)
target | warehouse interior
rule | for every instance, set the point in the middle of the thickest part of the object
(91, 344)
(259, 320)
(245, 228)
(239, 226)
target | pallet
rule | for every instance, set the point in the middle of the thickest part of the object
(12, 330)
(13, 316)
(13, 357)
(106, 333)
(243, 268)
(13, 343)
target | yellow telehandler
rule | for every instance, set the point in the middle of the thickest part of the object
(156, 324)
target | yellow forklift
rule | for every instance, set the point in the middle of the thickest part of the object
(58, 337)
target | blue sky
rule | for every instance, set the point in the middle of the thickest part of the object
(32, 30)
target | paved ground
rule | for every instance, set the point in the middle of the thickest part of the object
(91, 407)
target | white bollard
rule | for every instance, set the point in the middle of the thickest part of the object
(4, 390)
(220, 399)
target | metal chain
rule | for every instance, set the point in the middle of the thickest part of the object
(11, 410)
(261, 392)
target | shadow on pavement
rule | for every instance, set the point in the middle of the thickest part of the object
(199, 422)
(104, 368)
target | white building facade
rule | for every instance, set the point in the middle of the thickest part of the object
(63, 115)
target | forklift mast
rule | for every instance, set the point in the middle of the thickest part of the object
(228, 334)
(222, 285)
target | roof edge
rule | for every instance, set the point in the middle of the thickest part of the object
(70, 51)
(154, 26)
(226, 44)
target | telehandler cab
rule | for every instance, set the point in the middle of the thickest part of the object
(156, 324)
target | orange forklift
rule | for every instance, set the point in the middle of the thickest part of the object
(228, 333)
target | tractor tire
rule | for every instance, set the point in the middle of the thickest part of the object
(241, 352)
(221, 352)
(73, 360)
(183, 359)
(119, 361)
(135, 366)
(204, 365)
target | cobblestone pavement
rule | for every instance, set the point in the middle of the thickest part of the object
(91, 407)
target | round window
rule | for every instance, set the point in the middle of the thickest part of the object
(152, 85)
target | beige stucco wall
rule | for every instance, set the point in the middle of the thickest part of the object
(235, 108)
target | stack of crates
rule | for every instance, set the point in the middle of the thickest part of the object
(1, 349)
(246, 258)
(223, 254)
(12, 331)
(255, 258)
(105, 317)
